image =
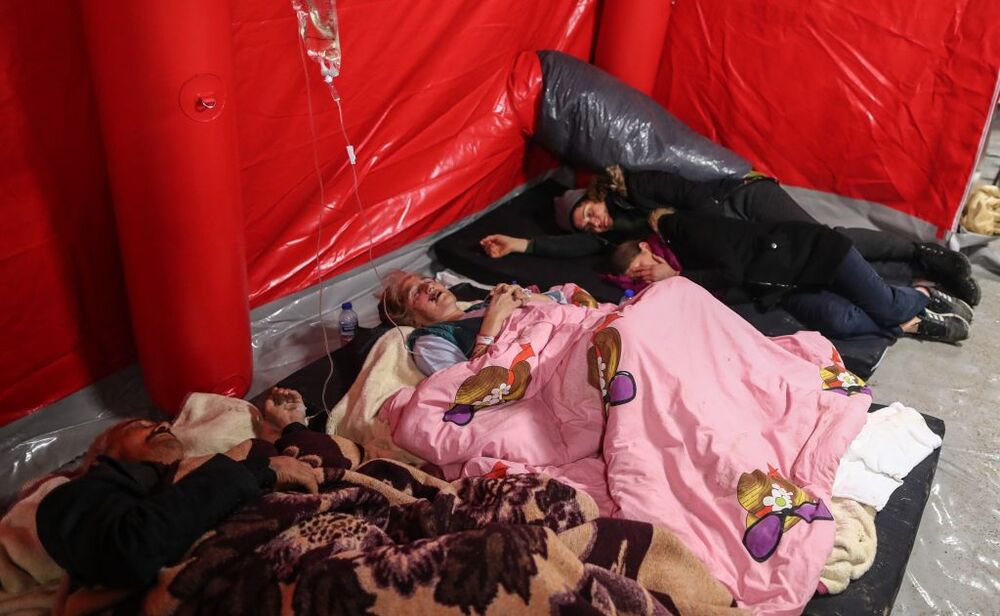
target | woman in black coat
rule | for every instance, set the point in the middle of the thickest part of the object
(811, 270)
(615, 206)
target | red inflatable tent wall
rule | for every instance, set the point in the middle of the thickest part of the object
(170, 141)
(630, 39)
(881, 101)
(425, 89)
(875, 101)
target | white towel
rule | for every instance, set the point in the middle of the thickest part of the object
(210, 423)
(894, 440)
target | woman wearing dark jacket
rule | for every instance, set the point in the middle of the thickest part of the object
(615, 206)
(812, 270)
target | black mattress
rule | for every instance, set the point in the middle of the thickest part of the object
(896, 525)
(530, 214)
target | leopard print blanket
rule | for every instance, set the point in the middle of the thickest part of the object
(386, 538)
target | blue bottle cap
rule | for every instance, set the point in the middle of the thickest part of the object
(346, 306)
(629, 293)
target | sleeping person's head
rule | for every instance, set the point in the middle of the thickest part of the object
(589, 210)
(410, 299)
(137, 440)
(591, 215)
(628, 257)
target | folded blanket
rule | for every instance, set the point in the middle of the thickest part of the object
(28, 576)
(388, 368)
(854, 545)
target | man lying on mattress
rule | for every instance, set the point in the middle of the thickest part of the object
(614, 207)
(669, 409)
(160, 533)
(130, 512)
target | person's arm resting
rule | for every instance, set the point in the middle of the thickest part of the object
(565, 246)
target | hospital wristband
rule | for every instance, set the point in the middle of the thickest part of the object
(485, 340)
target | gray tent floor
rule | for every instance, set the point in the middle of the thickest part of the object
(955, 564)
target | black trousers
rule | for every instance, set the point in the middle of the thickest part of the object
(857, 302)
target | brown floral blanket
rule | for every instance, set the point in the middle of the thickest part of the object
(386, 538)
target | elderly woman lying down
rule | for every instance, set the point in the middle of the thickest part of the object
(158, 532)
(670, 409)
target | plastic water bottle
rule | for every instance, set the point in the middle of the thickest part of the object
(348, 322)
(629, 294)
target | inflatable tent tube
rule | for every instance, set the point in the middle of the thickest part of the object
(630, 40)
(590, 120)
(162, 72)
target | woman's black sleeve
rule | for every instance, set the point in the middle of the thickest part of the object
(649, 190)
(565, 246)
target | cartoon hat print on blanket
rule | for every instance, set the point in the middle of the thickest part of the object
(774, 505)
(616, 386)
(491, 386)
(837, 378)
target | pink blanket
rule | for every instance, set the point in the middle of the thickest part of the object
(671, 409)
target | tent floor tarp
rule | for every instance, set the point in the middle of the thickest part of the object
(896, 525)
(530, 214)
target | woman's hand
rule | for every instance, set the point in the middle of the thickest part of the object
(531, 296)
(506, 298)
(497, 246)
(652, 273)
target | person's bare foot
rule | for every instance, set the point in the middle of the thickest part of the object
(283, 407)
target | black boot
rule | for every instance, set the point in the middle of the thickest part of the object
(934, 326)
(965, 289)
(943, 262)
(951, 269)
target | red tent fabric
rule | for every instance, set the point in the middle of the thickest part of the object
(875, 101)
(424, 84)
(879, 101)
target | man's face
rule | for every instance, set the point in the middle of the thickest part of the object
(147, 441)
(593, 217)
